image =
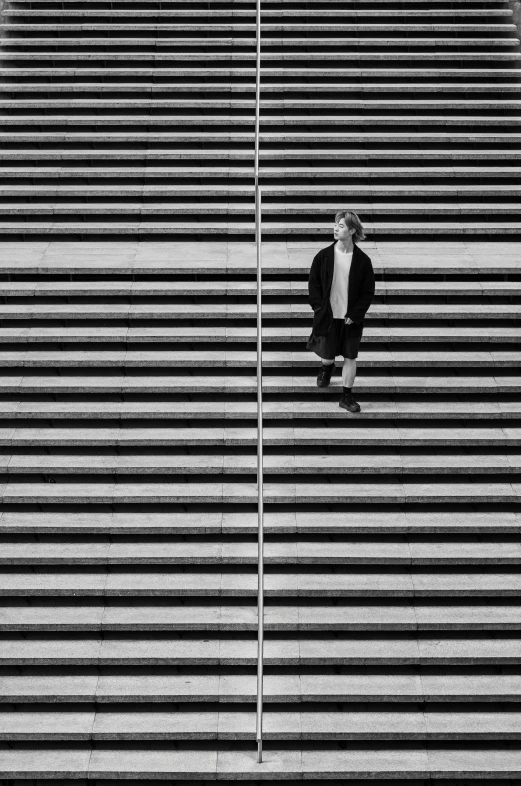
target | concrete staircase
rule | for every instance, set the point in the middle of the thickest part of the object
(134, 117)
(128, 551)
(128, 410)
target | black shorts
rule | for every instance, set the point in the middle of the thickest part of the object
(342, 339)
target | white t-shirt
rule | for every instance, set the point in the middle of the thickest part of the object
(340, 285)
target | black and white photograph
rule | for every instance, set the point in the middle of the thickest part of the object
(260, 392)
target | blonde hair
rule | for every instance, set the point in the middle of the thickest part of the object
(353, 222)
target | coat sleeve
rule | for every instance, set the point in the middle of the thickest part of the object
(358, 311)
(316, 294)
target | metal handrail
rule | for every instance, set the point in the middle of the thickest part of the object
(260, 457)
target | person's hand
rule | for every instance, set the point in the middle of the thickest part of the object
(349, 321)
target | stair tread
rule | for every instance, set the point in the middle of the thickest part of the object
(482, 57)
(273, 72)
(285, 155)
(103, 189)
(392, 436)
(414, 762)
(225, 209)
(369, 617)
(428, 649)
(309, 138)
(120, 584)
(404, 105)
(291, 688)
(245, 359)
(404, 435)
(284, 2)
(487, 42)
(90, 725)
(144, 257)
(248, 311)
(245, 120)
(365, 521)
(232, 287)
(294, 171)
(108, 334)
(401, 551)
(381, 463)
(269, 87)
(387, 384)
(506, 229)
(211, 13)
(389, 408)
(485, 26)
(244, 493)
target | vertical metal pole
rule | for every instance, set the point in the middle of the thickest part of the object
(260, 497)
(260, 462)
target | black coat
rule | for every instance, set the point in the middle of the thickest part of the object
(361, 289)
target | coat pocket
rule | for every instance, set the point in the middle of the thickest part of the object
(319, 316)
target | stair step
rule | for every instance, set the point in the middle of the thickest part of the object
(310, 140)
(283, 688)
(495, 156)
(303, 585)
(232, 120)
(387, 409)
(366, 104)
(398, 552)
(356, 56)
(403, 649)
(369, 522)
(274, 493)
(146, 229)
(474, 3)
(267, 172)
(275, 27)
(135, 257)
(413, 762)
(233, 288)
(287, 725)
(394, 436)
(273, 46)
(321, 618)
(241, 359)
(292, 335)
(386, 385)
(485, 41)
(346, 74)
(213, 13)
(276, 87)
(473, 259)
(153, 311)
(379, 463)
(226, 209)
(461, 190)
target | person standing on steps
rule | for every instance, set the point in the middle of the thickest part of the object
(341, 288)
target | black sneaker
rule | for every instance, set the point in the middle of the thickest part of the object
(324, 375)
(348, 402)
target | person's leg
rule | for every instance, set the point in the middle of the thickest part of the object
(325, 373)
(349, 372)
(327, 350)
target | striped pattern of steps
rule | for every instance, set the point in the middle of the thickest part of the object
(128, 526)
(123, 118)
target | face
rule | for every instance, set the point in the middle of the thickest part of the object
(342, 231)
